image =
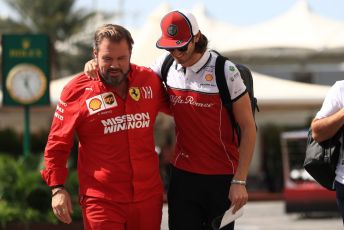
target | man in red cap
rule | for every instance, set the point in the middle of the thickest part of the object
(208, 168)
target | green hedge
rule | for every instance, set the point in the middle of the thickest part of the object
(24, 197)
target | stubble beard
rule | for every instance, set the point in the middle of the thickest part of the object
(111, 80)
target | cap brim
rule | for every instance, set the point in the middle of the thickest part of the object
(170, 43)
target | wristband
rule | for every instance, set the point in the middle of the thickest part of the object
(57, 186)
(241, 182)
(60, 189)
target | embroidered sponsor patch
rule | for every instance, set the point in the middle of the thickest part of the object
(95, 104)
(109, 99)
(58, 116)
(147, 92)
(188, 100)
(231, 68)
(209, 77)
(172, 30)
(101, 102)
(134, 92)
(62, 103)
(60, 109)
(126, 122)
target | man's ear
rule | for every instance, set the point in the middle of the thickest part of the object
(197, 36)
(94, 54)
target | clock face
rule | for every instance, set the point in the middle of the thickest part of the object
(26, 83)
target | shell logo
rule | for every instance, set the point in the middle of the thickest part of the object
(209, 77)
(95, 104)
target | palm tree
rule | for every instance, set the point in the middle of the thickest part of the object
(58, 19)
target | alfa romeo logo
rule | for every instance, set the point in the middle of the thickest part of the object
(172, 30)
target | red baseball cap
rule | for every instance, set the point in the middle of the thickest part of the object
(177, 29)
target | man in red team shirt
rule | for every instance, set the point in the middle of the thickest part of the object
(113, 116)
(208, 168)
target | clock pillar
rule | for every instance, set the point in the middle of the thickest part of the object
(26, 131)
(25, 75)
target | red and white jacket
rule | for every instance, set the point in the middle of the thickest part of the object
(117, 159)
(203, 128)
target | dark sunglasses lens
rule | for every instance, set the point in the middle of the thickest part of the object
(182, 49)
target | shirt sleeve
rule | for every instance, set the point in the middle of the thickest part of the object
(163, 97)
(156, 66)
(60, 139)
(235, 83)
(333, 102)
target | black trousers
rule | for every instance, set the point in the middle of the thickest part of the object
(340, 198)
(194, 200)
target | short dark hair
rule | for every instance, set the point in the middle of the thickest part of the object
(202, 44)
(113, 32)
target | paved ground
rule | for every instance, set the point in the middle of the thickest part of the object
(269, 215)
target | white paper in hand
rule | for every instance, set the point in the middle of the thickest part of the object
(229, 217)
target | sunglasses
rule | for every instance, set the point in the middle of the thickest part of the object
(181, 49)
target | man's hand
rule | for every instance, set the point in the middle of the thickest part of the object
(62, 205)
(91, 68)
(238, 196)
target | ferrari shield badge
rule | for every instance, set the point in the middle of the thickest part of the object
(134, 92)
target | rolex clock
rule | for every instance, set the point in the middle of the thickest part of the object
(26, 83)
